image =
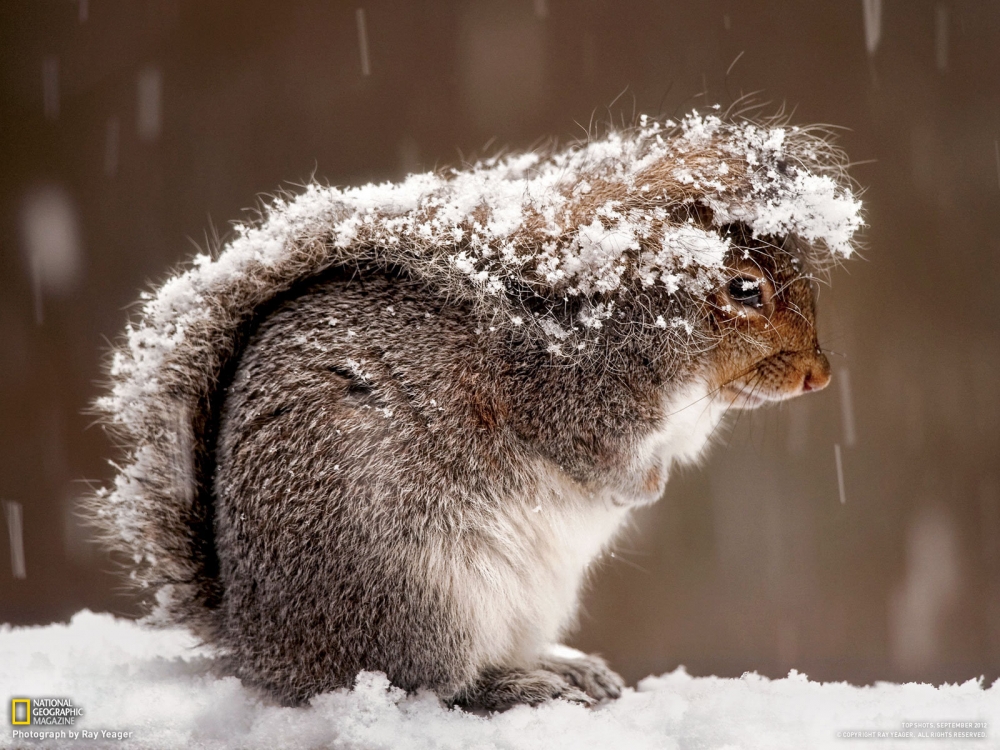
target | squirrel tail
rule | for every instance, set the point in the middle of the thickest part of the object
(166, 381)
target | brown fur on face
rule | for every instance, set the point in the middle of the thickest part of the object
(765, 317)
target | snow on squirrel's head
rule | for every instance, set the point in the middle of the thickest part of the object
(634, 236)
(638, 230)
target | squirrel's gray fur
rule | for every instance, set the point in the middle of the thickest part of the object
(344, 455)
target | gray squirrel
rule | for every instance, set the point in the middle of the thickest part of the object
(392, 427)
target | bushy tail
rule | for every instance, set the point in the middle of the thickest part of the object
(165, 382)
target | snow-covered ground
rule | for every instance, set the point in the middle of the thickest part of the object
(159, 686)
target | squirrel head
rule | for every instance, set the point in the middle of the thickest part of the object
(764, 322)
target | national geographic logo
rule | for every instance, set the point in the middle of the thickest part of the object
(44, 712)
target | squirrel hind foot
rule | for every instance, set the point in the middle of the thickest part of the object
(501, 688)
(589, 673)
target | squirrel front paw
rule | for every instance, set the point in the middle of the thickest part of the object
(588, 672)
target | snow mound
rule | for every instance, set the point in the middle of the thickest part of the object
(160, 686)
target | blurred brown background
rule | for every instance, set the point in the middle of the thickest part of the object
(129, 129)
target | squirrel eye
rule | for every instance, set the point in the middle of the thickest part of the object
(746, 291)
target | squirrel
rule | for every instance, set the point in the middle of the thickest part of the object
(393, 427)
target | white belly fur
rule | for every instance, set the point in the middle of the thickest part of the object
(690, 422)
(517, 582)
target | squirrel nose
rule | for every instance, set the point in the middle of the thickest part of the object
(818, 375)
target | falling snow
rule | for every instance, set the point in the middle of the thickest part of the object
(873, 24)
(941, 36)
(846, 406)
(149, 93)
(14, 515)
(51, 243)
(838, 458)
(366, 69)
